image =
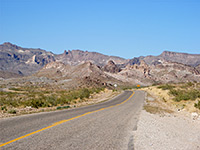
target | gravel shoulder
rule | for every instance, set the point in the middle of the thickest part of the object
(161, 130)
(171, 132)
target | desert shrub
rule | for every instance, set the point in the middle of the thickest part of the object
(65, 107)
(12, 111)
(36, 103)
(63, 100)
(114, 90)
(187, 85)
(166, 87)
(51, 101)
(15, 89)
(97, 90)
(59, 107)
(184, 95)
(84, 93)
(130, 87)
(36, 97)
(156, 83)
(197, 105)
(126, 87)
(12, 102)
(190, 84)
(4, 108)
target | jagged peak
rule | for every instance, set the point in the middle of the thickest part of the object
(7, 43)
(166, 53)
(111, 62)
(10, 45)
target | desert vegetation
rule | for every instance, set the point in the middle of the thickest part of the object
(179, 96)
(183, 91)
(40, 97)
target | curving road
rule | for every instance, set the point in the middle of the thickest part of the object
(106, 125)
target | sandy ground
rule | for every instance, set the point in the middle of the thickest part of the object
(177, 130)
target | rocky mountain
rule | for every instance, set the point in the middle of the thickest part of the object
(27, 61)
(23, 61)
(111, 67)
(78, 67)
(141, 73)
(184, 58)
(80, 75)
(76, 57)
(198, 67)
(160, 72)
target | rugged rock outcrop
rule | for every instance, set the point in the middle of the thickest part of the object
(83, 74)
(111, 67)
(162, 72)
(26, 61)
(184, 58)
(76, 57)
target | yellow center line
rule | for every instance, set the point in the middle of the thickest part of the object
(62, 121)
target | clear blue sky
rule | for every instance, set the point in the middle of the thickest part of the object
(125, 28)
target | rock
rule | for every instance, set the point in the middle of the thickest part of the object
(111, 67)
(194, 115)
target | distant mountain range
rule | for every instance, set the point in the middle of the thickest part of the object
(184, 58)
(97, 68)
(27, 61)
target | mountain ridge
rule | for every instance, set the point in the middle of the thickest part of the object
(97, 68)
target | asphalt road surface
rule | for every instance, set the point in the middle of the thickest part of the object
(104, 126)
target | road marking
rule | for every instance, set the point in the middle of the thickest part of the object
(63, 121)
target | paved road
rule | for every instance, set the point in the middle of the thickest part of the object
(106, 125)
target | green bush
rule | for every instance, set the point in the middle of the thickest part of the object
(84, 93)
(64, 107)
(130, 87)
(36, 103)
(166, 87)
(197, 105)
(59, 107)
(51, 101)
(37, 98)
(12, 111)
(185, 95)
(15, 89)
(4, 108)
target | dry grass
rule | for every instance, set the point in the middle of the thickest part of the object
(156, 109)
(185, 96)
(72, 98)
